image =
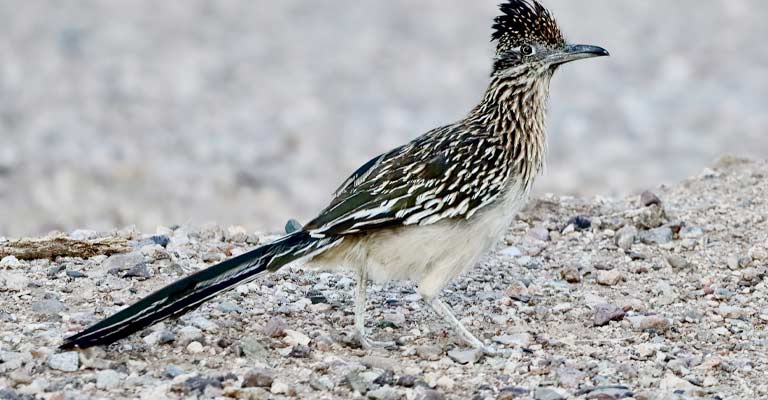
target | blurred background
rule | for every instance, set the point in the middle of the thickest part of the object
(249, 112)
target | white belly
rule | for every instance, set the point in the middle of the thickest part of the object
(430, 255)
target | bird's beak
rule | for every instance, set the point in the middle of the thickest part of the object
(574, 52)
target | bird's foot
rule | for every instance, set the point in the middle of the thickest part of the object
(491, 351)
(369, 344)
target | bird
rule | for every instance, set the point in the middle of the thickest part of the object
(424, 212)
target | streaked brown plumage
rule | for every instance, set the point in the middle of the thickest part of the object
(423, 212)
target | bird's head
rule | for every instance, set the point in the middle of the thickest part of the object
(530, 42)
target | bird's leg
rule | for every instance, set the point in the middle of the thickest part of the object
(362, 285)
(445, 311)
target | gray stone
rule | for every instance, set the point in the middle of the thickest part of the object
(252, 348)
(549, 393)
(470, 356)
(513, 392)
(275, 328)
(230, 307)
(677, 262)
(166, 337)
(258, 378)
(662, 235)
(357, 383)
(10, 262)
(108, 379)
(651, 322)
(122, 262)
(570, 274)
(511, 252)
(610, 393)
(172, 371)
(691, 232)
(75, 274)
(605, 313)
(383, 393)
(431, 353)
(203, 323)
(626, 236)
(431, 395)
(67, 361)
(570, 377)
(13, 281)
(300, 351)
(48, 307)
(384, 363)
(396, 318)
(141, 271)
(189, 334)
(540, 233)
(649, 198)
(610, 278)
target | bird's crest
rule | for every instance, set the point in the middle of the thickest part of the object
(525, 21)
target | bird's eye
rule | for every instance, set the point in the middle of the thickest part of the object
(527, 50)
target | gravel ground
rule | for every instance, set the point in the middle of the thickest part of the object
(246, 112)
(659, 296)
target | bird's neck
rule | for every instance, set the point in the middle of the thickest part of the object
(513, 111)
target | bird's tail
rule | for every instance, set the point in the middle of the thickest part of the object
(188, 293)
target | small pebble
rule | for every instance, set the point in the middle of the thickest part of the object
(609, 278)
(195, 347)
(258, 378)
(470, 356)
(293, 338)
(651, 322)
(67, 361)
(649, 198)
(431, 353)
(661, 235)
(549, 393)
(274, 328)
(605, 313)
(108, 379)
(570, 274)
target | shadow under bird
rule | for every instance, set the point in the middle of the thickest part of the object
(425, 211)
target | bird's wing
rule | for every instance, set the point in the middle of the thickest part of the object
(435, 177)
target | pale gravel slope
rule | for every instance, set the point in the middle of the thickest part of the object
(698, 283)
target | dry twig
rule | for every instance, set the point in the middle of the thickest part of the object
(61, 246)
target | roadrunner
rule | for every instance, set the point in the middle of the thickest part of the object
(423, 212)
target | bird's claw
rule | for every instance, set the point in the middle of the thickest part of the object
(369, 344)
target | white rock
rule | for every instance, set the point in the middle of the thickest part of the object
(108, 379)
(12, 281)
(195, 347)
(654, 322)
(67, 361)
(647, 350)
(511, 252)
(203, 323)
(10, 262)
(280, 387)
(294, 338)
(521, 339)
(672, 383)
(445, 382)
(609, 278)
(190, 334)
